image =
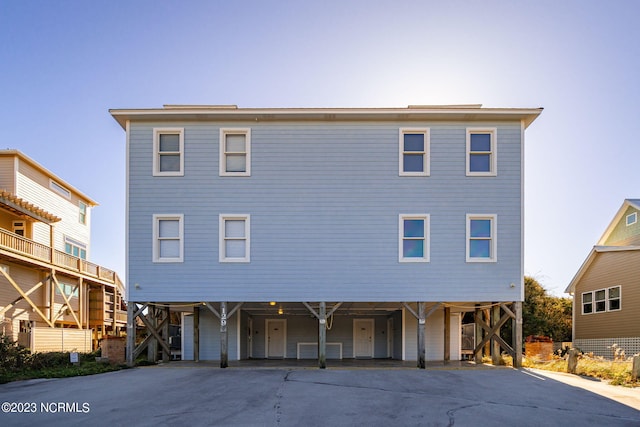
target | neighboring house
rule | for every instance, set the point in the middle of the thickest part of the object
(322, 232)
(606, 288)
(51, 297)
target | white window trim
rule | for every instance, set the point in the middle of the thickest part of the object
(156, 236)
(427, 239)
(60, 189)
(82, 220)
(494, 237)
(631, 219)
(426, 155)
(582, 303)
(494, 151)
(595, 301)
(77, 244)
(247, 237)
(607, 300)
(156, 150)
(619, 298)
(223, 164)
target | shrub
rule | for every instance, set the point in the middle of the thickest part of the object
(12, 355)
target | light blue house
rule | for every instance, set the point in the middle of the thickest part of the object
(324, 232)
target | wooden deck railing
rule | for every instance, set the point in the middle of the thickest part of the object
(23, 246)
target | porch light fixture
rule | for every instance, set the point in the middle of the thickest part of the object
(272, 303)
(280, 311)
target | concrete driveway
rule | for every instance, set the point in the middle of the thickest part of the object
(190, 394)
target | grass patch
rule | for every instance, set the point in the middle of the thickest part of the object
(83, 368)
(616, 372)
(16, 363)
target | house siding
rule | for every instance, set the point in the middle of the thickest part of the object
(7, 174)
(623, 234)
(619, 268)
(324, 201)
(34, 186)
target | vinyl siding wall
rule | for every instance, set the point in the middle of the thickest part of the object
(324, 200)
(623, 234)
(7, 173)
(26, 279)
(33, 186)
(607, 270)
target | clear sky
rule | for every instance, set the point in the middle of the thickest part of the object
(64, 63)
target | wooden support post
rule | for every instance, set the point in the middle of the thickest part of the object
(495, 345)
(224, 339)
(52, 299)
(152, 347)
(572, 361)
(421, 335)
(322, 336)
(166, 356)
(517, 335)
(131, 333)
(447, 334)
(635, 369)
(477, 317)
(196, 333)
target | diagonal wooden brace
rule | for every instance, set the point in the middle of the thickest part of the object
(492, 333)
(140, 348)
(66, 300)
(26, 297)
(156, 335)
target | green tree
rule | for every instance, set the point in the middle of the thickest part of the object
(544, 314)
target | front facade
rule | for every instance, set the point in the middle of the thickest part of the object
(51, 296)
(345, 233)
(606, 289)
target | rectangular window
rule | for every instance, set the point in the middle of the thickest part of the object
(413, 242)
(168, 158)
(587, 303)
(613, 298)
(69, 290)
(481, 238)
(481, 152)
(59, 189)
(414, 146)
(75, 248)
(168, 231)
(632, 218)
(19, 228)
(235, 152)
(234, 238)
(82, 217)
(600, 300)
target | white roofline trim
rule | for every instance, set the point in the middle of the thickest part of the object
(226, 112)
(617, 218)
(587, 262)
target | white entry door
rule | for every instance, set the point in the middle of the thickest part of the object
(276, 338)
(363, 338)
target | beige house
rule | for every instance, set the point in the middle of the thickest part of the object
(51, 297)
(606, 288)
